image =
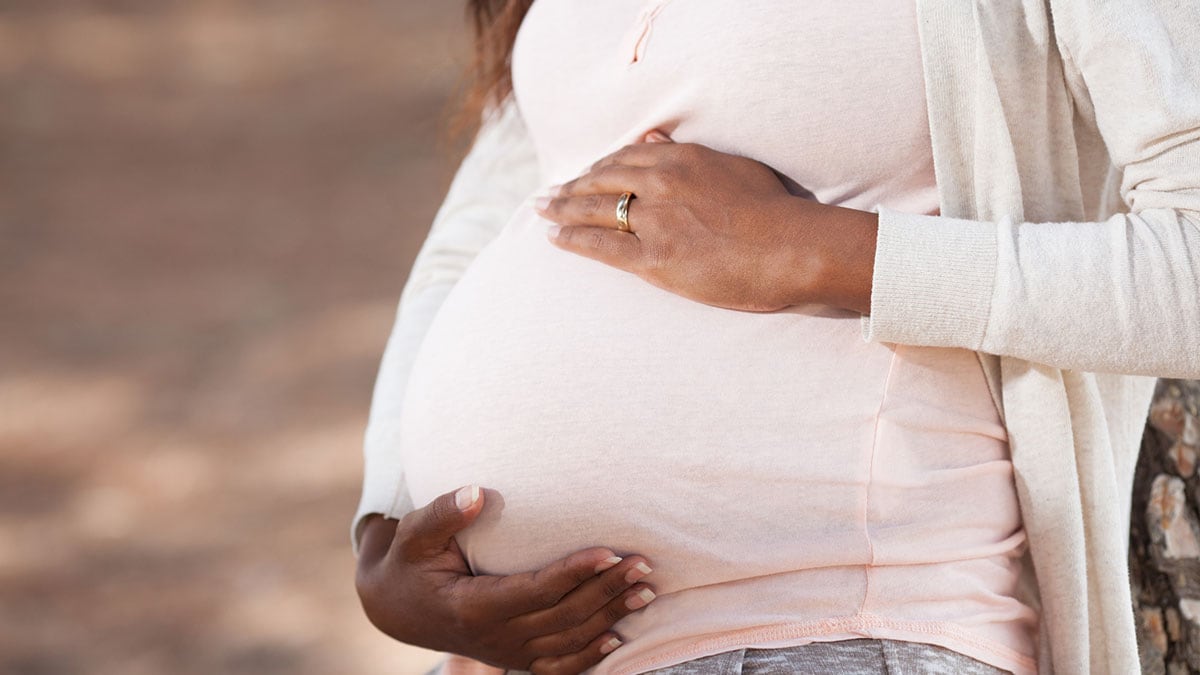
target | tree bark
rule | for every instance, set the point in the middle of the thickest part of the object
(1164, 537)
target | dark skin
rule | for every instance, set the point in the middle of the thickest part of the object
(415, 586)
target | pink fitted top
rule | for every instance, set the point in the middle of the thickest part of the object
(787, 481)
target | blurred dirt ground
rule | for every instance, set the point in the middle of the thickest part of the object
(207, 212)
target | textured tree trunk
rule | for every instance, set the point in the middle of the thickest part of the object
(1164, 552)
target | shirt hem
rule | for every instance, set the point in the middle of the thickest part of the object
(942, 634)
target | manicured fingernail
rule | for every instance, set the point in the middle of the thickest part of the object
(658, 137)
(552, 231)
(640, 599)
(541, 203)
(553, 190)
(637, 572)
(465, 497)
(612, 644)
(607, 563)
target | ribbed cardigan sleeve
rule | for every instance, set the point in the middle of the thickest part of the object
(499, 171)
(1118, 296)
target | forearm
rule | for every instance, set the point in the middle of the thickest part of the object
(1118, 296)
(1121, 295)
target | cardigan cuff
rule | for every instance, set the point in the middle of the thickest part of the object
(932, 282)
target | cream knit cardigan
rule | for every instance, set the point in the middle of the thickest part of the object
(1066, 145)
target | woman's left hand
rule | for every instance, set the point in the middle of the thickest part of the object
(716, 228)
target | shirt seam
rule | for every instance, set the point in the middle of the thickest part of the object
(866, 517)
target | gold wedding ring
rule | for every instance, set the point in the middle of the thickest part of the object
(623, 212)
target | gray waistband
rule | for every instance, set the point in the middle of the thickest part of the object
(844, 657)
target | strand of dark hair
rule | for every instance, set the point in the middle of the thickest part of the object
(487, 80)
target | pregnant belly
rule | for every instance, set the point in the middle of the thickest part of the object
(605, 411)
(600, 410)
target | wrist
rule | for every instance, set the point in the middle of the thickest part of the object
(837, 255)
(376, 538)
(866, 228)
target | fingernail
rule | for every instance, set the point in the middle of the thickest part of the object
(637, 572)
(612, 644)
(640, 599)
(658, 137)
(552, 231)
(553, 190)
(465, 497)
(607, 563)
(541, 203)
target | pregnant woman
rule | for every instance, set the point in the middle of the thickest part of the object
(790, 338)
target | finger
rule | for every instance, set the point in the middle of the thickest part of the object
(517, 594)
(613, 179)
(428, 530)
(588, 209)
(577, 638)
(638, 154)
(610, 246)
(578, 662)
(583, 603)
(656, 136)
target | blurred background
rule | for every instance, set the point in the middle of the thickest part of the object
(207, 212)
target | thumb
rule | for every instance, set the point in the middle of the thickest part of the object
(428, 530)
(656, 136)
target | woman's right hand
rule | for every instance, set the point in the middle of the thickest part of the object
(415, 586)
